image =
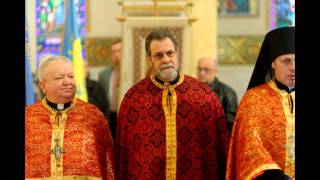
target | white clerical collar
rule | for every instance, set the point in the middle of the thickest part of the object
(60, 106)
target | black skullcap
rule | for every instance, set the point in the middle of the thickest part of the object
(276, 43)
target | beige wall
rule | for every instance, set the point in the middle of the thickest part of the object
(250, 25)
(238, 76)
(103, 21)
(30, 11)
(204, 31)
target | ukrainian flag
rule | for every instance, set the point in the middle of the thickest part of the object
(29, 91)
(72, 49)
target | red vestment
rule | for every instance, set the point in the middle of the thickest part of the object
(173, 131)
(263, 134)
(74, 143)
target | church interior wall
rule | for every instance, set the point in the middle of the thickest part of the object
(103, 24)
(237, 74)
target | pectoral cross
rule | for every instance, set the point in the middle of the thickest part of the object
(57, 150)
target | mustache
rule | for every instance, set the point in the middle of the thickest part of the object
(170, 65)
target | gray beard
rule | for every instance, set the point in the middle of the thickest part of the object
(168, 77)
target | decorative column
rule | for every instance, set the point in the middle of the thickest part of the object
(204, 32)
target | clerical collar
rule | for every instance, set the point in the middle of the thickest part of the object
(283, 87)
(171, 82)
(58, 106)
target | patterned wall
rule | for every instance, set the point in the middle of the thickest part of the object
(98, 51)
(232, 49)
(239, 49)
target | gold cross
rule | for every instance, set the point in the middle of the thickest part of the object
(57, 150)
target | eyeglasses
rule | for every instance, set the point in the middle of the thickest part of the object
(159, 55)
(205, 69)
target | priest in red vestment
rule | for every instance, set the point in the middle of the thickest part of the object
(170, 126)
(65, 137)
(262, 144)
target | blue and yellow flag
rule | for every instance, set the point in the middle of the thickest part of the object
(72, 49)
(29, 91)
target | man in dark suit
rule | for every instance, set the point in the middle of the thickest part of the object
(96, 94)
(109, 78)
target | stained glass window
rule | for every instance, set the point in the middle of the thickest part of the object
(282, 13)
(50, 16)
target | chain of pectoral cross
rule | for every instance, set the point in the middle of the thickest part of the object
(57, 150)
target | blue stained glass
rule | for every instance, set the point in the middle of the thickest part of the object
(50, 16)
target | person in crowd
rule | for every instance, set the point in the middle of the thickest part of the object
(207, 73)
(109, 78)
(96, 94)
(262, 144)
(65, 137)
(170, 125)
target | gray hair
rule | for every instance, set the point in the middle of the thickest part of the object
(45, 61)
(159, 34)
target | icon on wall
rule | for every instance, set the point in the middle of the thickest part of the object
(237, 8)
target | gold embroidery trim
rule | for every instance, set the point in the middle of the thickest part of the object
(161, 86)
(169, 103)
(58, 122)
(67, 178)
(258, 170)
(290, 128)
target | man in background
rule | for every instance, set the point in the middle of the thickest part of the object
(96, 94)
(109, 78)
(207, 72)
